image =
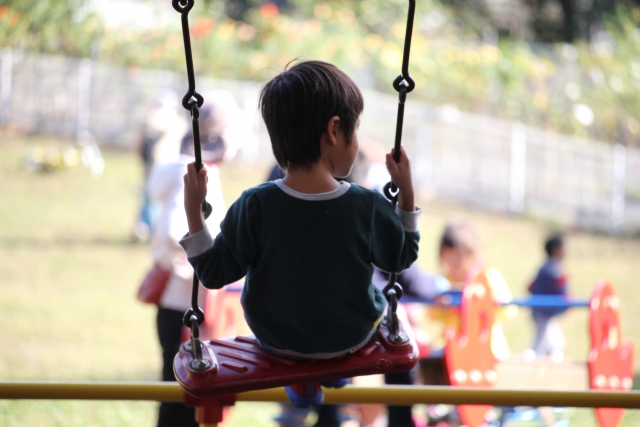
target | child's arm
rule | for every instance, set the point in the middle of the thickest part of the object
(401, 176)
(212, 259)
(395, 237)
(224, 259)
(560, 287)
(195, 191)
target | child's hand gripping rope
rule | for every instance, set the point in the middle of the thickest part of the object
(195, 192)
(401, 176)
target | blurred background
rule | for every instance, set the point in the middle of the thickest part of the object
(539, 94)
(524, 120)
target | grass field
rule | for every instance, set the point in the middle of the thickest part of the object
(69, 270)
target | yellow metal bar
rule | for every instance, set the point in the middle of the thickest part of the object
(397, 395)
(393, 395)
(156, 390)
(410, 395)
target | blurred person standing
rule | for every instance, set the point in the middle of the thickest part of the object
(163, 128)
(166, 188)
(550, 280)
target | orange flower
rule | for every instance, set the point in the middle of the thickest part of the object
(3, 12)
(269, 10)
(202, 27)
(14, 19)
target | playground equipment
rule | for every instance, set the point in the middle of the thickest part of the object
(392, 395)
(225, 317)
(231, 356)
(467, 360)
(209, 369)
(468, 356)
(227, 366)
(468, 363)
(212, 371)
(611, 361)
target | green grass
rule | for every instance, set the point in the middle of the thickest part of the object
(69, 271)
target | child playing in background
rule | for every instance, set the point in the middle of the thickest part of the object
(460, 251)
(550, 280)
(306, 244)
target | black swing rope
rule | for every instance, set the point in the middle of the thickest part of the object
(192, 101)
(403, 84)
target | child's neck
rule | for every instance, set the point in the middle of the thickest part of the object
(313, 180)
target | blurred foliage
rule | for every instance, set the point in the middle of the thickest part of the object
(581, 89)
(534, 20)
(585, 88)
(49, 26)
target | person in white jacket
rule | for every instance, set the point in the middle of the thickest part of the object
(163, 128)
(166, 188)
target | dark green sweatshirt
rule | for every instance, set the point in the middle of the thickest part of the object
(308, 261)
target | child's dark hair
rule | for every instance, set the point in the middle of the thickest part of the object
(458, 234)
(554, 241)
(297, 105)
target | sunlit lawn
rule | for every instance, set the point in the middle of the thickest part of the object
(69, 270)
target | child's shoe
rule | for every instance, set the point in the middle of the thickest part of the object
(305, 395)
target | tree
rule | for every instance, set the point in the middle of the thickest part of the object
(536, 20)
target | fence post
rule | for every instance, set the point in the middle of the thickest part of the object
(618, 191)
(5, 85)
(423, 165)
(250, 147)
(84, 98)
(518, 173)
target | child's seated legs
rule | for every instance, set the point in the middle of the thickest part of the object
(305, 395)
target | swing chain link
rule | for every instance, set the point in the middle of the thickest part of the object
(403, 84)
(195, 346)
(192, 101)
(393, 292)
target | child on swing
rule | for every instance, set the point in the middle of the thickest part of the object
(306, 244)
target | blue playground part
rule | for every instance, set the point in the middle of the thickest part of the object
(454, 298)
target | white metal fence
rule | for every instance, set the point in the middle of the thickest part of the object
(479, 160)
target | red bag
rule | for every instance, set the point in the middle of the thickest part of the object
(153, 285)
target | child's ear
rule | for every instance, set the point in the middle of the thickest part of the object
(333, 128)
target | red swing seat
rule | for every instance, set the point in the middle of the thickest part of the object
(239, 364)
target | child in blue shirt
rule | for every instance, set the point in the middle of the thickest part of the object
(550, 280)
(306, 244)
